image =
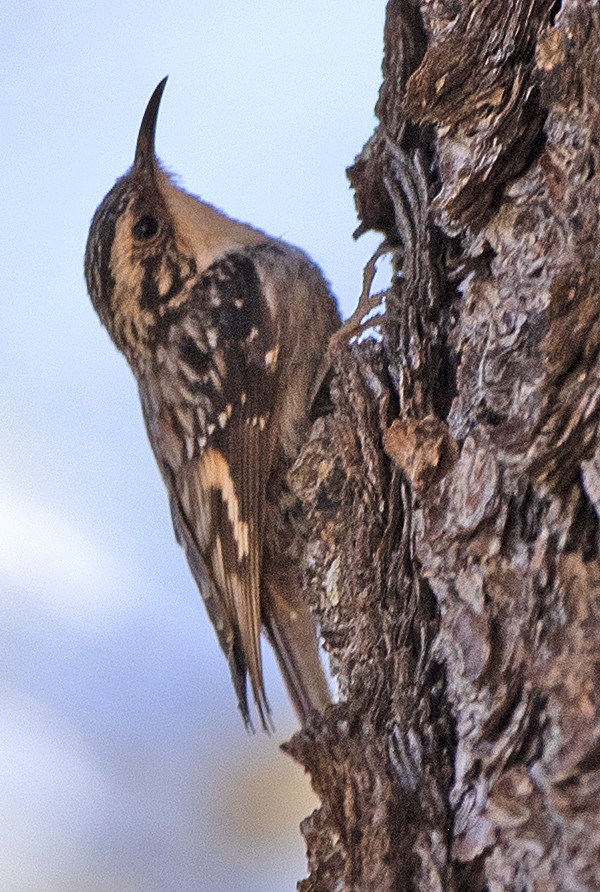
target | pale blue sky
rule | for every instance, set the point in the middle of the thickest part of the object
(123, 762)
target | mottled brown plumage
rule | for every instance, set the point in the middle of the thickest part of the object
(225, 330)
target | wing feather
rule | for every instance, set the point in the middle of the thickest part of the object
(213, 393)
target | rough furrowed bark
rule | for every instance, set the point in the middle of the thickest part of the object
(453, 495)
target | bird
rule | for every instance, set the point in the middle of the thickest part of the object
(225, 329)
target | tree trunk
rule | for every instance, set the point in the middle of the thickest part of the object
(453, 494)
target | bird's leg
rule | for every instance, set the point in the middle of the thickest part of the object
(367, 302)
(356, 323)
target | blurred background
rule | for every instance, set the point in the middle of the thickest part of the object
(124, 764)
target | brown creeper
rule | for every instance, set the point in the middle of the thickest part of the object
(225, 329)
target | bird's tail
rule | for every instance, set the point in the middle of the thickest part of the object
(291, 632)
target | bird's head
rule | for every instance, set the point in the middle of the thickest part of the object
(148, 241)
(135, 264)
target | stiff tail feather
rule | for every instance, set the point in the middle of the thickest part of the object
(290, 629)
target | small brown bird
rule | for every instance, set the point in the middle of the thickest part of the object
(225, 330)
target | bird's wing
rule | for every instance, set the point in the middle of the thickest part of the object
(208, 405)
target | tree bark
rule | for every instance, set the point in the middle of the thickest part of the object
(453, 494)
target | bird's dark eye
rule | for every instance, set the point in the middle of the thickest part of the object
(145, 228)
